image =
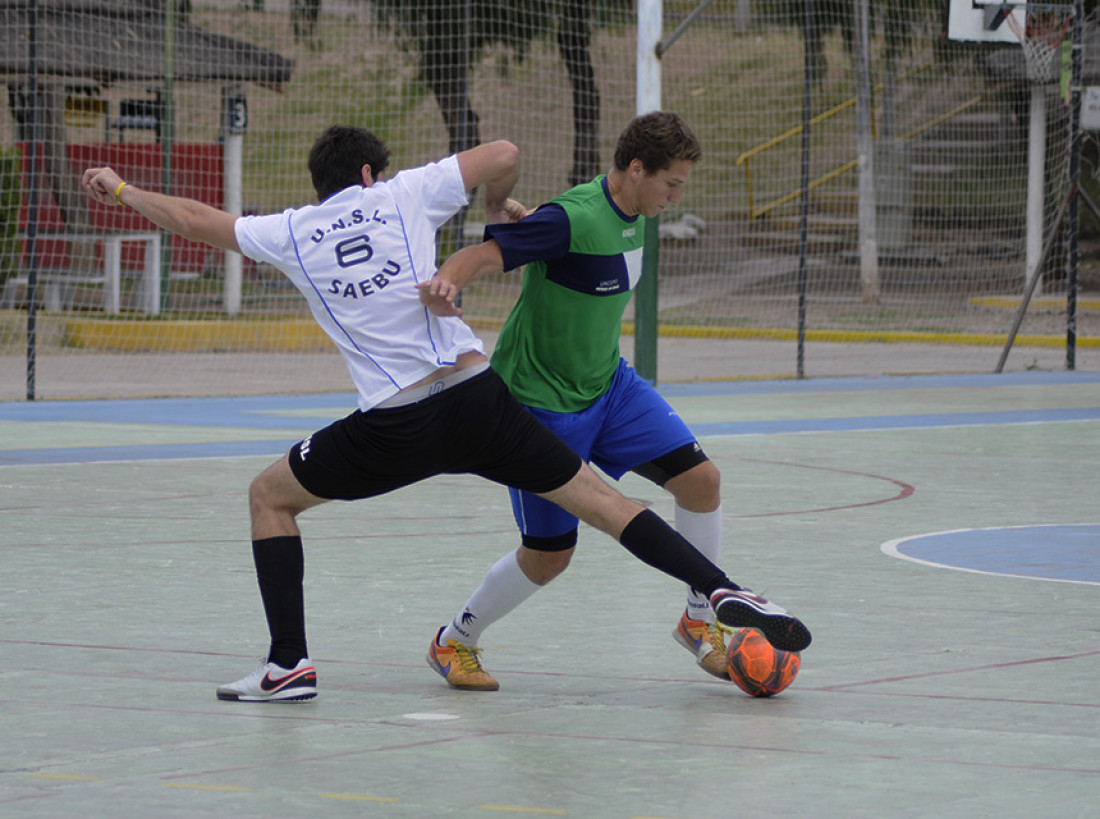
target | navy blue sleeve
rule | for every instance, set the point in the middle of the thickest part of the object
(542, 236)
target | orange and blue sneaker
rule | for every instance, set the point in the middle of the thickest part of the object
(706, 642)
(459, 665)
(273, 683)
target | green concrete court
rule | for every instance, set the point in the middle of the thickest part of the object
(940, 535)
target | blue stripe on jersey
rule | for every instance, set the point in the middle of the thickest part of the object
(331, 315)
(416, 279)
(591, 275)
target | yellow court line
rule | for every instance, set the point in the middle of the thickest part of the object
(304, 335)
(863, 336)
(520, 809)
(1087, 303)
(67, 776)
(357, 797)
(196, 335)
(197, 787)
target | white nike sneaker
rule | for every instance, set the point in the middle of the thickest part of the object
(273, 683)
(741, 607)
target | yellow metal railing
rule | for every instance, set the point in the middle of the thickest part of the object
(745, 158)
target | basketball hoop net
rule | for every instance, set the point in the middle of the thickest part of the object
(1041, 36)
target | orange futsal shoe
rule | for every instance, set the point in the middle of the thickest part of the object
(706, 642)
(459, 665)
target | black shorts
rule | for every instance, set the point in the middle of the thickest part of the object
(473, 427)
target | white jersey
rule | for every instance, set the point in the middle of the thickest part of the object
(357, 258)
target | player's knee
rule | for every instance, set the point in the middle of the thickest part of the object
(260, 495)
(708, 478)
(266, 496)
(542, 565)
(547, 566)
(699, 488)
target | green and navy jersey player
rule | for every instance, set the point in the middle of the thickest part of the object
(559, 354)
(558, 351)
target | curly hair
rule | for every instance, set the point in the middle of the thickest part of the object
(657, 139)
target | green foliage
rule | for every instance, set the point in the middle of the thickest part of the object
(11, 194)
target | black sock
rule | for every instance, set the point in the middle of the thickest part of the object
(657, 544)
(280, 570)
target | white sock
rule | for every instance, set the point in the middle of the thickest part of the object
(505, 586)
(704, 531)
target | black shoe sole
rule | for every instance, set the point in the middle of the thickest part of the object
(237, 698)
(783, 631)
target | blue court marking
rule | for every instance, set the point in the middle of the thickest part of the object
(306, 413)
(919, 421)
(296, 413)
(256, 412)
(145, 452)
(1063, 553)
(881, 382)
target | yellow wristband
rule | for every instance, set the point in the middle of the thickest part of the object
(118, 192)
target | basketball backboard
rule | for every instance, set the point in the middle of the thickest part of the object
(982, 21)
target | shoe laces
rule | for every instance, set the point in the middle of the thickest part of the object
(716, 635)
(467, 656)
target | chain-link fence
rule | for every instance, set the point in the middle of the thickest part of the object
(220, 101)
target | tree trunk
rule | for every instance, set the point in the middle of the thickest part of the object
(574, 37)
(445, 63)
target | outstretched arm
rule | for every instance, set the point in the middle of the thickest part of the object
(494, 165)
(461, 268)
(186, 217)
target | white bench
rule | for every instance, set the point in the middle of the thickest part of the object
(57, 286)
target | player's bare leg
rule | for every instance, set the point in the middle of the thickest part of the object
(641, 532)
(698, 497)
(275, 500)
(286, 674)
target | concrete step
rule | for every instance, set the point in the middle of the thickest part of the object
(790, 241)
(974, 125)
(824, 224)
(935, 169)
(835, 203)
(940, 147)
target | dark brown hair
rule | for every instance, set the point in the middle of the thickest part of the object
(338, 156)
(657, 139)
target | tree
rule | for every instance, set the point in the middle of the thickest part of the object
(574, 37)
(895, 18)
(303, 19)
(449, 36)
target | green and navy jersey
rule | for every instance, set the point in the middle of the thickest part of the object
(559, 348)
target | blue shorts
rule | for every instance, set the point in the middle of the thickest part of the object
(628, 426)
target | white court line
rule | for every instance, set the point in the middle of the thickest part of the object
(890, 548)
